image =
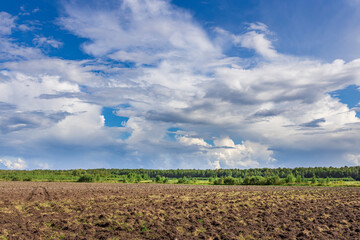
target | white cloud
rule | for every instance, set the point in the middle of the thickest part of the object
(275, 104)
(13, 164)
(192, 141)
(9, 49)
(279, 102)
(259, 26)
(24, 27)
(226, 154)
(247, 154)
(7, 23)
(354, 159)
(12, 51)
(136, 30)
(47, 41)
(256, 39)
(66, 71)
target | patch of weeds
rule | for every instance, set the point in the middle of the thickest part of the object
(66, 209)
(180, 229)
(48, 224)
(199, 231)
(144, 228)
(61, 236)
(5, 235)
(241, 237)
(139, 214)
(124, 226)
(45, 204)
(19, 207)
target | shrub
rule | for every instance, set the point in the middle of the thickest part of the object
(160, 179)
(183, 180)
(328, 180)
(219, 181)
(298, 179)
(322, 181)
(15, 178)
(51, 179)
(145, 176)
(314, 180)
(229, 181)
(254, 180)
(273, 180)
(28, 179)
(246, 180)
(290, 178)
(303, 179)
(86, 178)
(97, 178)
(257, 180)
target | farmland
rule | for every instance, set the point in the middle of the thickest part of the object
(53, 210)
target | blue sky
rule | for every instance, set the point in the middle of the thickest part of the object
(179, 84)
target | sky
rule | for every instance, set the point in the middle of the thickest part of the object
(179, 84)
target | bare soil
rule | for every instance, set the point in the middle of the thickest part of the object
(31, 210)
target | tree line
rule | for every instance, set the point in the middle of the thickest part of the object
(320, 172)
(126, 174)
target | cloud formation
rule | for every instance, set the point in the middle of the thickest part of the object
(224, 153)
(46, 42)
(256, 38)
(7, 23)
(141, 31)
(14, 164)
(154, 64)
(354, 159)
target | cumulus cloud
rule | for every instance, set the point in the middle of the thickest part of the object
(354, 159)
(13, 164)
(226, 154)
(180, 78)
(193, 141)
(142, 31)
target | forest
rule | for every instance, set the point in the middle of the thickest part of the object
(256, 176)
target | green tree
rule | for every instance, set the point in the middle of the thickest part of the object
(290, 178)
(158, 179)
(229, 181)
(219, 181)
(86, 178)
(313, 179)
(273, 180)
(97, 178)
(328, 180)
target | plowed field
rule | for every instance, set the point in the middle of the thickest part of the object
(30, 210)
